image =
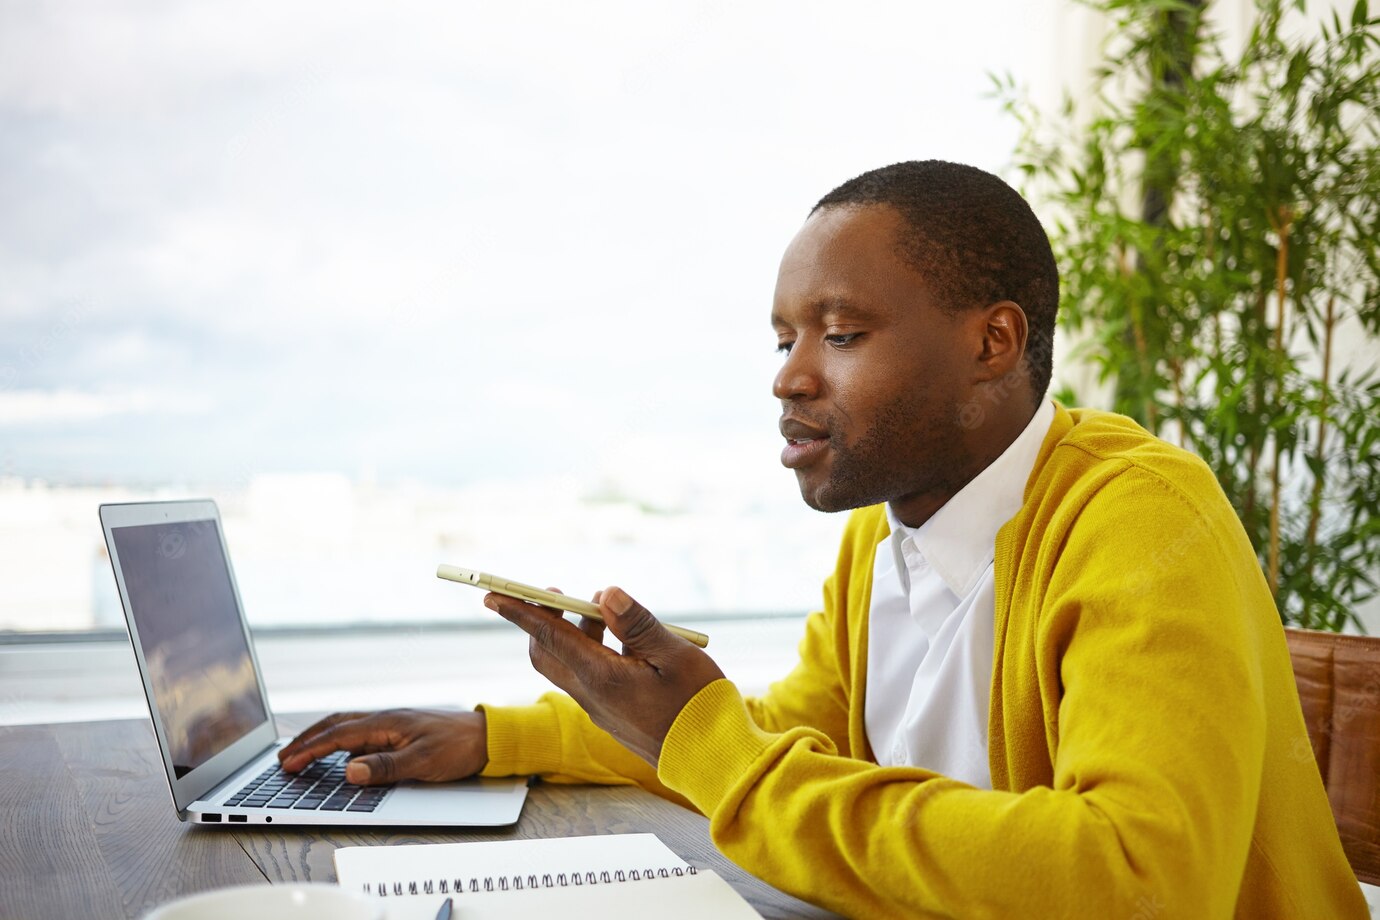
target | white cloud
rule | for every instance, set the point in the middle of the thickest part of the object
(334, 218)
(28, 407)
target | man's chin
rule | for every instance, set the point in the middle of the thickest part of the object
(836, 493)
(820, 497)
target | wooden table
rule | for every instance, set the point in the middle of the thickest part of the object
(89, 830)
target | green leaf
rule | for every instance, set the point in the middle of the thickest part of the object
(1175, 307)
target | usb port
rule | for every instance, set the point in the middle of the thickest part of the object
(210, 817)
(238, 819)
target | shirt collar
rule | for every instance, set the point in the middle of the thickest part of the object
(959, 540)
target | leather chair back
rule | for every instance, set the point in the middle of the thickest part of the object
(1339, 685)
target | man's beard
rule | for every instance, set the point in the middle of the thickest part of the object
(900, 455)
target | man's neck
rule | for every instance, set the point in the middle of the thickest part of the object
(997, 434)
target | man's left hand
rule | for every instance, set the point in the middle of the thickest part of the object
(634, 696)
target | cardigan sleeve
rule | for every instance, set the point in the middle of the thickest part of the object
(555, 739)
(816, 692)
(1153, 719)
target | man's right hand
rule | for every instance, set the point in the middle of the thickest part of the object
(396, 744)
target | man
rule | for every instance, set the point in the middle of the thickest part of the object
(1048, 679)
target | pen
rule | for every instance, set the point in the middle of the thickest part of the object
(533, 595)
(444, 912)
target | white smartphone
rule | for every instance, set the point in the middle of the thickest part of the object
(522, 592)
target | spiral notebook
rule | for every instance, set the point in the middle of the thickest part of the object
(573, 878)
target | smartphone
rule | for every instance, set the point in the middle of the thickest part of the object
(523, 592)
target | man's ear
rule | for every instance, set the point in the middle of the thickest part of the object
(1004, 333)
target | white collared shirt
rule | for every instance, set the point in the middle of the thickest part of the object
(930, 624)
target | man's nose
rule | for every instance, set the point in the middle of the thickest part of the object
(798, 377)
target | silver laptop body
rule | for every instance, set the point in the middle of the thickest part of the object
(207, 699)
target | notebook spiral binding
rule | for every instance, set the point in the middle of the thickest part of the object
(462, 885)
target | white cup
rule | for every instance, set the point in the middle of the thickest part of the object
(271, 902)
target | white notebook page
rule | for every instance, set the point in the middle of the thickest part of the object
(546, 862)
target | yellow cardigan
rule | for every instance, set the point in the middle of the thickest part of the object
(1147, 748)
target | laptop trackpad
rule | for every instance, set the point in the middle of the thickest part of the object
(481, 802)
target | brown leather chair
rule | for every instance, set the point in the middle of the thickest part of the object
(1339, 686)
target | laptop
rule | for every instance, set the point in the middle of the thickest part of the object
(207, 700)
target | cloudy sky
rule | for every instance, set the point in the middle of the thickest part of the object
(441, 242)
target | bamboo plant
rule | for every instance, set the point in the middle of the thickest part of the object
(1216, 221)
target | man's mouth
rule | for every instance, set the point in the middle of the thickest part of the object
(804, 443)
(795, 429)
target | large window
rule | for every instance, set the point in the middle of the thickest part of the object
(477, 283)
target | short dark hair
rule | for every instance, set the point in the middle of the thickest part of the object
(974, 238)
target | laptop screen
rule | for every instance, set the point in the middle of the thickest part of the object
(198, 661)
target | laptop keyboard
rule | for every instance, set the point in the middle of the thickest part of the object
(320, 787)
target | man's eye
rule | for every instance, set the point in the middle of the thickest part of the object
(784, 348)
(842, 338)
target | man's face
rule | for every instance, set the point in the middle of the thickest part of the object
(874, 371)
